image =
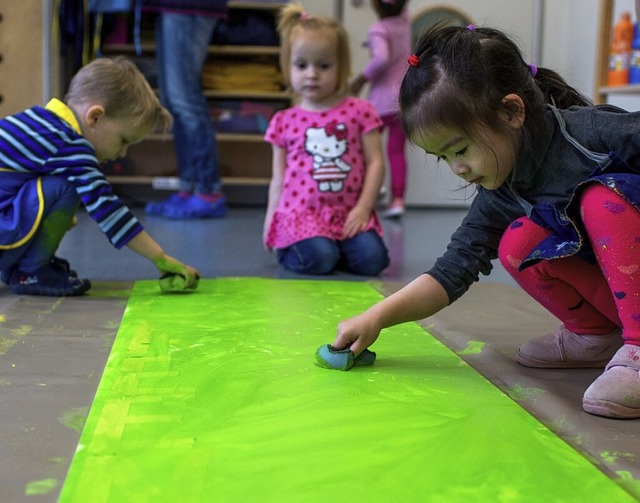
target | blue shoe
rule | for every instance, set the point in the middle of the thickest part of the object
(50, 280)
(196, 207)
(6, 275)
(64, 264)
(157, 208)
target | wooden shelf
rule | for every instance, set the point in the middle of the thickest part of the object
(242, 94)
(629, 89)
(220, 50)
(245, 158)
(602, 90)
(220, 136)
(148, 180)
(241, 137)
(240, 4)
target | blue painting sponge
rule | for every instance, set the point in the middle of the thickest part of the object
(342, 359)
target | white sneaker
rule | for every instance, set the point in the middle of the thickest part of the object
(393, 212)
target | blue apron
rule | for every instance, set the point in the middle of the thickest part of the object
(21, 207)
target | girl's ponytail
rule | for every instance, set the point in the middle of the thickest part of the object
(556, 90)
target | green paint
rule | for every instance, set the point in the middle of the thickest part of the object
(22, 330)
(625, 475)
(519, 393)
(629, 483)
(74, 418)
(6, 343)
(52, 308)
(114, 324)
(216, 396)
(612, 457)
(473, 348)
(110, 293)
(37, 487)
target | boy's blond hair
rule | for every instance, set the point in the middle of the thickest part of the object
(293, 18)
(118, 85)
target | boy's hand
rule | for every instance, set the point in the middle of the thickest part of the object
(175, 267)
(170, 282)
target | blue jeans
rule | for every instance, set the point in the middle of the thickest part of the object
(364, 254)
(181, 50)
(61, 202)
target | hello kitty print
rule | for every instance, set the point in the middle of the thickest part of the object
(325, 169)
(327, 145)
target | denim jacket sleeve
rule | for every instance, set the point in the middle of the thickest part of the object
(475, 243)
(610, 128)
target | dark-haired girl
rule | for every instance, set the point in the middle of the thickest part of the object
(558, 198)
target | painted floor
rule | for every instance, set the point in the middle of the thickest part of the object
(53, 351)
(214, 397)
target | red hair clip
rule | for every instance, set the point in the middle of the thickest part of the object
(413, 60)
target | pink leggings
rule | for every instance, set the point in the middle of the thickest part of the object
(395, 154)
(590, 299)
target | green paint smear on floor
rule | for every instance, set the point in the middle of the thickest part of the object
(74, 418)
(38, 487)
(215, 396)
(473, 348)
(520, 393)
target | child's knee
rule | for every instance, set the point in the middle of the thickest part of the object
(518, 241)
(313, 256)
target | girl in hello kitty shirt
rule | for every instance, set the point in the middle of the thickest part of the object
(327, 157)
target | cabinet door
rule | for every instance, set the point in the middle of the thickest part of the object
(25, 37)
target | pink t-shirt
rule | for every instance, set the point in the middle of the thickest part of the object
(325, 170)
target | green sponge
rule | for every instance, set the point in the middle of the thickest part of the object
(171, 282)
(342, 359)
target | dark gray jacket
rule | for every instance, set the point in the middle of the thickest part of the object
(551, 179)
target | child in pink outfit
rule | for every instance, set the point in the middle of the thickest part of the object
(325, 170)
(389, 41)
(327, 158)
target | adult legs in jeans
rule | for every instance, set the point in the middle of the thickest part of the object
(181, 49)
(181, 44)
(364, 254)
